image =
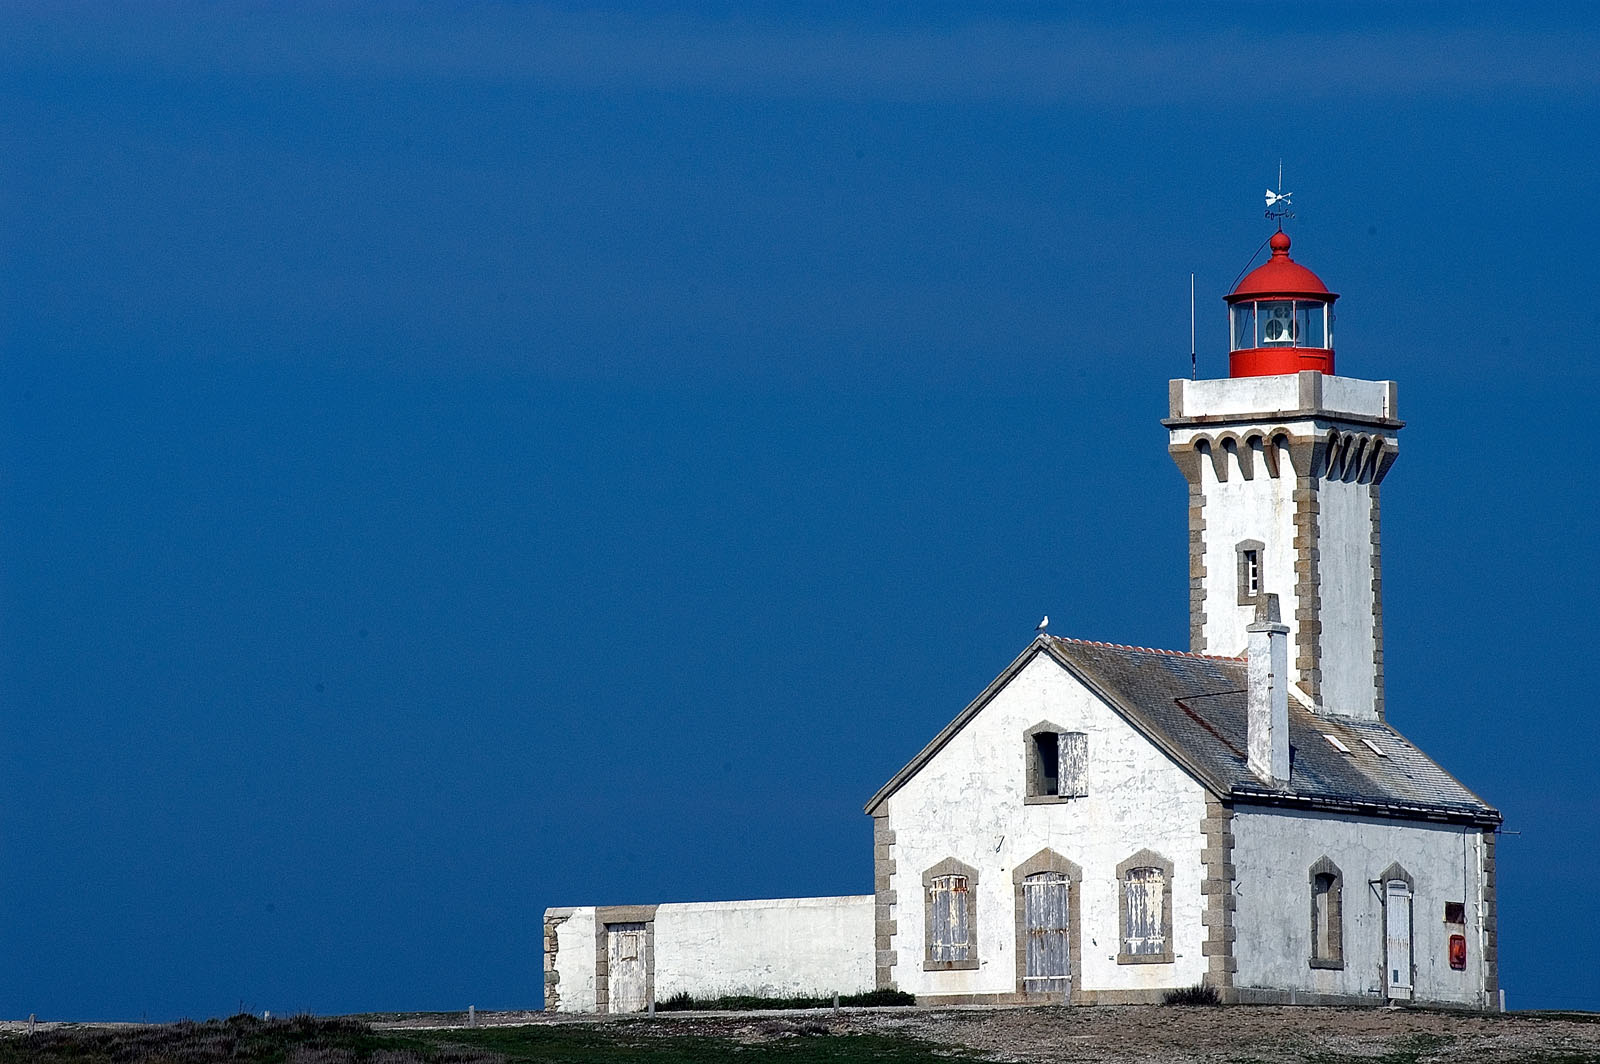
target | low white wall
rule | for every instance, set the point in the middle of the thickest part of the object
(571, 961)
(774, 947)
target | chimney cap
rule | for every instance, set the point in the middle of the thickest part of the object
(1268, 616)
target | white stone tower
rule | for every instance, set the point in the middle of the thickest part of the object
(1284, 460)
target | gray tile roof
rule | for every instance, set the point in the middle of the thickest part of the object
(1192, 706)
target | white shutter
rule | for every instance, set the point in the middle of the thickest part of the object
(1397, 947)
(949, 937)
(1143, 890)
(1074, 753)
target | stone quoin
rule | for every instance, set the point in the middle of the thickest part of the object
(1106, 823)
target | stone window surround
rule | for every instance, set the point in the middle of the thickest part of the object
(949, 867)
(1048, 860)
(1397, 873)
(1242, 550)
(1335, 958)
(1144, 859)
(1031, 765)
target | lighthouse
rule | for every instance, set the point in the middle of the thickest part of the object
(1284, 459)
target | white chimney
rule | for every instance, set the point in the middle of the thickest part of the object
(1267, 694)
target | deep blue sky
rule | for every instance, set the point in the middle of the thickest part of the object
(460, 460)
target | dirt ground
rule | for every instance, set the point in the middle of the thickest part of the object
(1170, 1035)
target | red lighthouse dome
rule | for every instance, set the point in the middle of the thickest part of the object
(1280, 318)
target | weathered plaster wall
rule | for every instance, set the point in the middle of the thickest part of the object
(968, 803)
(1259, 508)
(570, 932)
(783, 946)
(1273, 854)
(1345, 541)
(1284, 394)
(771, 947)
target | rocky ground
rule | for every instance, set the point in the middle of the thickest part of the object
(1135, 1034)
(1169, 1035)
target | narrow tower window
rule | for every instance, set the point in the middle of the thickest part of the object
(1250, 577)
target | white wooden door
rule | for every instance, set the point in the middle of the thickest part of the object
(1397, 944)
(1045, 926)
(626, 972)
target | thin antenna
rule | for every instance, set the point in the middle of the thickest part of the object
(1194, 369)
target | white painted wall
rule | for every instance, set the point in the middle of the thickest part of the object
(777, 947)
(1237, 509)
(967, 803)
(771, 947)
(575, 954)
(1229, 396)
(1240, 395)
(1262, 508)
(1272, 856)
(1344, 539)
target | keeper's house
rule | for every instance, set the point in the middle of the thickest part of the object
(1105, 823)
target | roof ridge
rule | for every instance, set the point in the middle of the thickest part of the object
(1147, 650)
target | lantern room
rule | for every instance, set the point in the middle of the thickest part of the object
(1280, 318)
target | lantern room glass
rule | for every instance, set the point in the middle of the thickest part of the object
(1279, 323)
(1244, 326)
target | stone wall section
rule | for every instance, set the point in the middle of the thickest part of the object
(1491, 924)
(885, 899)
(1377, 610)
(552, 965)
(1188, 462)
(1308, 456)
(1216, 889)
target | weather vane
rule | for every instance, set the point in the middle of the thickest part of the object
(1278, 202)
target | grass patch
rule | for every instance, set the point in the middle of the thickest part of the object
(683, 1001)
(238, 1040)
(1412, 1049)
(306, 1040)
(1199, 994)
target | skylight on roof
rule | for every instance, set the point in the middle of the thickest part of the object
(1374, 747)
(1337, 745)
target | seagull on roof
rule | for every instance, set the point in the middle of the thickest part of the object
(1044, 622)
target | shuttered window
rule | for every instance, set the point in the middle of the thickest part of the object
(950, 919)
(1058, 763)
(1144, 892)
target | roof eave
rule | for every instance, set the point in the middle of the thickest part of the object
(1483, 817)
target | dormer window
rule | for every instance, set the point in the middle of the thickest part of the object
(1057, 763)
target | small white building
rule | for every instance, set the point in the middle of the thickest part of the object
(1106, 823)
